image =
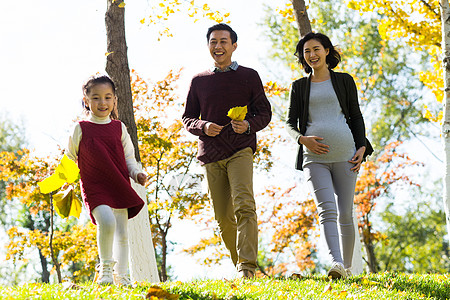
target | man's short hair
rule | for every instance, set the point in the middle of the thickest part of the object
(222, 26)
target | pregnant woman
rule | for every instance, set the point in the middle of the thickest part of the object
(325, 120)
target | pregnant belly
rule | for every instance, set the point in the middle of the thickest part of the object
(339, 138)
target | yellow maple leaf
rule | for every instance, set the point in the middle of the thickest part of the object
(68, 168)
(66, 171)
(66, 204)
(237, 113)
(121, 5)
(51, 183)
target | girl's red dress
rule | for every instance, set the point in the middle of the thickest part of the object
(103, 170)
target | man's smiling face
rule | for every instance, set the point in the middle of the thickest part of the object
(221, 48)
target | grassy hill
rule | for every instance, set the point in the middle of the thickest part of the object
(372, 286)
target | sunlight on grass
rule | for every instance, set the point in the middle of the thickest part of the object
(371, 286)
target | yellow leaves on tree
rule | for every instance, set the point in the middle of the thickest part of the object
(65, 243)
(194, 9)
(416, 20)
(22, 172)
(418, 24)
(213, 242)
(287, 12)
(272, 88)
(292, 223)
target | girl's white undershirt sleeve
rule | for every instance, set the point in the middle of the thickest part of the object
(128, 149)
(74, 143)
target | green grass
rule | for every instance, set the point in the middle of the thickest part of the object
(372, 286)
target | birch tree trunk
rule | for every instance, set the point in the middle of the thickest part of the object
(357, 261)
(301, 15)
(143, 265)
(142, 254)
(445, 16)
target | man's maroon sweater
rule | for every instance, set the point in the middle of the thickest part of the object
(210, 97)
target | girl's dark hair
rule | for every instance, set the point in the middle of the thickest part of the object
(222, 26)
(333, 57)
(99, 79)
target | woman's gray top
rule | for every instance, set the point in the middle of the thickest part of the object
(326, 120)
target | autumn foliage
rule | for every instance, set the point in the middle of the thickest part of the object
(292, 223)
(22, 171)
(375, 181)
(418, 24)
(195, 9)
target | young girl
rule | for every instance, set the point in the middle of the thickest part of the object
(105, 156)
(325, 120)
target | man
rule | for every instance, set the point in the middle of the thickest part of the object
(225, 146)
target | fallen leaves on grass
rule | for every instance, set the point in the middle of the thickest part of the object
(71, 286)
(157, 293)
(296, 276)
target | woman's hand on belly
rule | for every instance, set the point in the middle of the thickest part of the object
(313, 144)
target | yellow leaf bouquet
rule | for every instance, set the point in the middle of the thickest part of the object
(65, 201)
(66, 171)
(237, 113)
(67, 204)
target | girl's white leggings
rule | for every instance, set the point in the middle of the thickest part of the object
(333, 188)
(112, 236)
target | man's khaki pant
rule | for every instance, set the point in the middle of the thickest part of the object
(230, 183)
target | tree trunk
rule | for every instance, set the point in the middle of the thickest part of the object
(45, 276)
(370, 251)
(301, 15)
(142, 256)
(52, 252)
(142, 252)
(117, 67)
(371, 259)
(445, 16)
(164, 256)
